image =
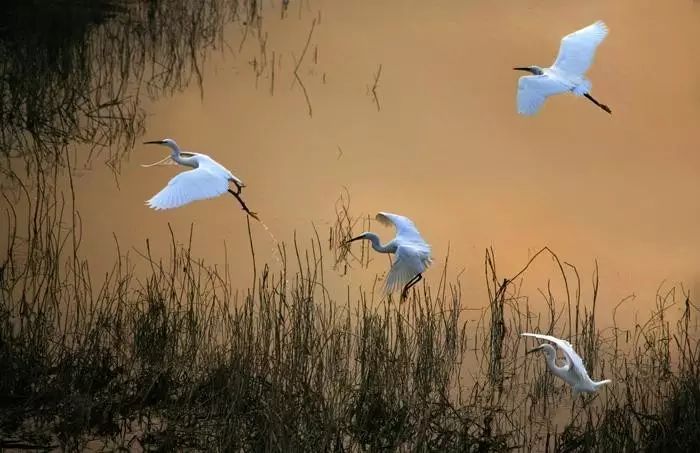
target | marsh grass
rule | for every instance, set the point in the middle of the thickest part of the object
(175, 359)
(77, 73)
(342, 231)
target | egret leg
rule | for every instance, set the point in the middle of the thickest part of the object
(243, 205)
(409, 285)
(602, 106)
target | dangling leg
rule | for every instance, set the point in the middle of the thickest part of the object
(243, 205)
(602, 106)
(404, 291)
(409, 285)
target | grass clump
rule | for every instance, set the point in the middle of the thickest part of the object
(173, 359)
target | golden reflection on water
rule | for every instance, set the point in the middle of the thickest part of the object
(447, 147)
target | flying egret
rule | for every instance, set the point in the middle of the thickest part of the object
(209, 179)
(566, 74)
(411, 252)
(573, 372)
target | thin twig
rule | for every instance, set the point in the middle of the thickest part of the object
(301, 59)
(375, 86)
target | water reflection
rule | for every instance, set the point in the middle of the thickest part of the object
(75, 73)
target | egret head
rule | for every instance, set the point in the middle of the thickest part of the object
(169, 142)
(546, 348)
(531, 69)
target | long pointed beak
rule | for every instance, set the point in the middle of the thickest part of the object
(154, 142)
(522, 69)
(353, 239)
(533, 350)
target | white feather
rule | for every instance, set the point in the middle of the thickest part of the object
(574, 359)
(566, 74)
(406, 230)
(574, 371)
(209, 178)
(409, 261)
(534, 90)
(413, 253)
(578, 49)
(186, 187)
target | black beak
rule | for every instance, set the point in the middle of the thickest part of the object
(523, 69)
(353, 239)
(154, 142)
(533, 350)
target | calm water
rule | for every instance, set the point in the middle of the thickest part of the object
(447, 147)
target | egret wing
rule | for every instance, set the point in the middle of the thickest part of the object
(578, 48)
(409, 261)
(405, 228)
(534, 90)
(574, 359)
(189, 186)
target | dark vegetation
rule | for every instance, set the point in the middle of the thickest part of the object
(75, 72)
(174, 359)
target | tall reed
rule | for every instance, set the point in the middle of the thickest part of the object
(175, 359)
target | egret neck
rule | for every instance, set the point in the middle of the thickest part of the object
(389, 247)
(175, 152)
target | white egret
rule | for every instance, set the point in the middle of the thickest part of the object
(209, 179)
(411, 253)
(566, 74)
(573, 372)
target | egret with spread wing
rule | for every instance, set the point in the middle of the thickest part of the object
(209, 179)
(412, 255)
(573, 372)
(566, 74)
